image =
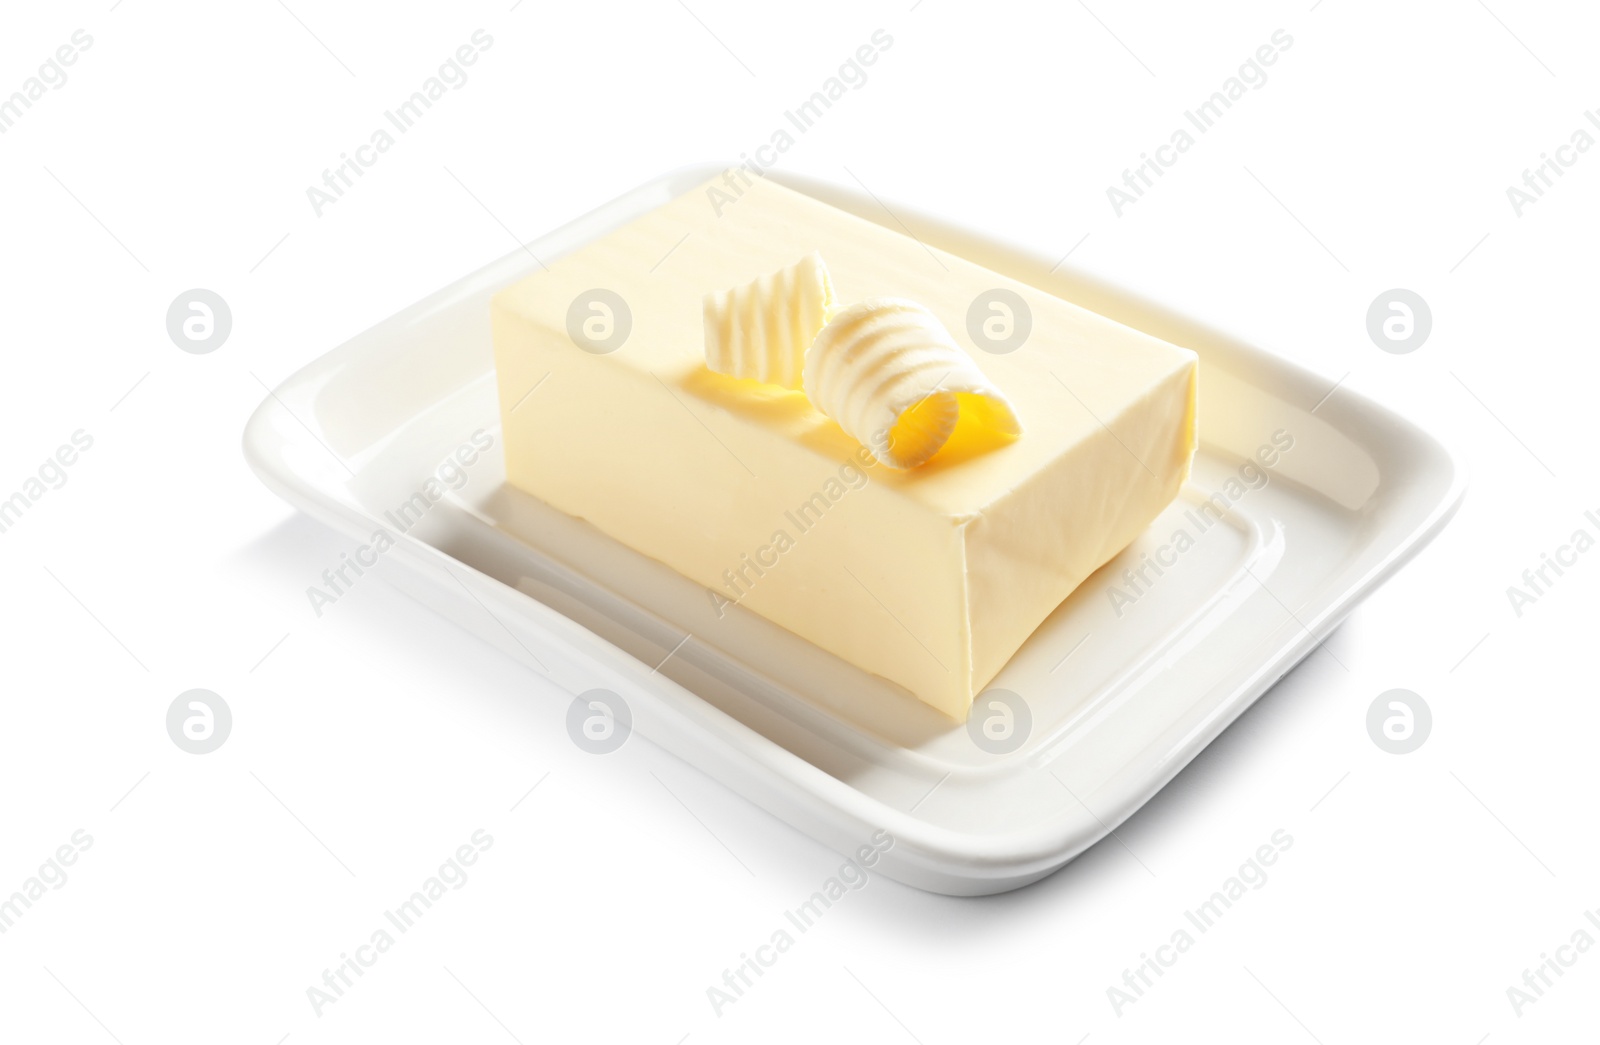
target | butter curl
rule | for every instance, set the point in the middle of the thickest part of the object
(761, 330)
(894, 379)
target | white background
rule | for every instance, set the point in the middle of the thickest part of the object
(370, 743)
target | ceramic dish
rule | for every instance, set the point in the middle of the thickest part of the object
(1125, 683)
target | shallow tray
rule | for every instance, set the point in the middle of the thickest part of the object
(1125, 683)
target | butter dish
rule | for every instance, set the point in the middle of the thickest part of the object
(1298, 505)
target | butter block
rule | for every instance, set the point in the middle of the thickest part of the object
(931, 577)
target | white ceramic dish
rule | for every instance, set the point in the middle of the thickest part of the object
(1122, 693)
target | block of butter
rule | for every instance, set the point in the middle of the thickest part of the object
(931, 577)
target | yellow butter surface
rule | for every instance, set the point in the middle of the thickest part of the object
(931, 577)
